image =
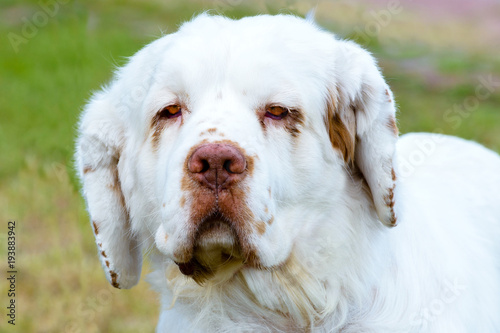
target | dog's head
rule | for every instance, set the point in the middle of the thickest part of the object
(219, 143)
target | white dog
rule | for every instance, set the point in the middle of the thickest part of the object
(258, 160)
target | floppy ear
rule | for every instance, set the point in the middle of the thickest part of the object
(362, 124)
(98, 150)
(97, 156)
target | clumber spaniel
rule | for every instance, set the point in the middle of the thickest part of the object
(258, 161)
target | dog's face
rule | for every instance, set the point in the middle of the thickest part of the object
(219, 145)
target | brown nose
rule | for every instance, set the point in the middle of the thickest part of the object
(217, 166)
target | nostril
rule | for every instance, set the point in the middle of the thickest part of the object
(205, 166)
(227, 166)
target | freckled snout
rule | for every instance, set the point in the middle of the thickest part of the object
(217, 165)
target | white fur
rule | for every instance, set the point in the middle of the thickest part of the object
(329, 262)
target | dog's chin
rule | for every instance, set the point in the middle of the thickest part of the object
(216, 255)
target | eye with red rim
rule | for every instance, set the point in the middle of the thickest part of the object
(276, 112)
(170, 111)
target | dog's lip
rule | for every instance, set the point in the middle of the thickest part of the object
(215, 230)
(187, 268)
(211, 220)
(215, 244)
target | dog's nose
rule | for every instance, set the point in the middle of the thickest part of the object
(217, 165)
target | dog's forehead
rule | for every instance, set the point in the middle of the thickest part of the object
(250, 33)
(251, 53)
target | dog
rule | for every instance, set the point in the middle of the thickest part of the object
(259, 164)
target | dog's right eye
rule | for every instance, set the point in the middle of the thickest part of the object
(170, 111)
(276, 112)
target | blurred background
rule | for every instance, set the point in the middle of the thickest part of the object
(440, 58)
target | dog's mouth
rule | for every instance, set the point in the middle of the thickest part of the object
(216, 249)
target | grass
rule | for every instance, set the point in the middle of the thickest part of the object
(60, 284)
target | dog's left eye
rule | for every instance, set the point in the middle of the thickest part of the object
(276, 112)
(171, 111)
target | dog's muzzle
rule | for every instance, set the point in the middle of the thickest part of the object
(217, 168)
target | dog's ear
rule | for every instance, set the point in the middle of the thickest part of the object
(98, 153)
(362, 125)
(102, 138)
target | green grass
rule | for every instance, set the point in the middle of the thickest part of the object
(43, 87)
